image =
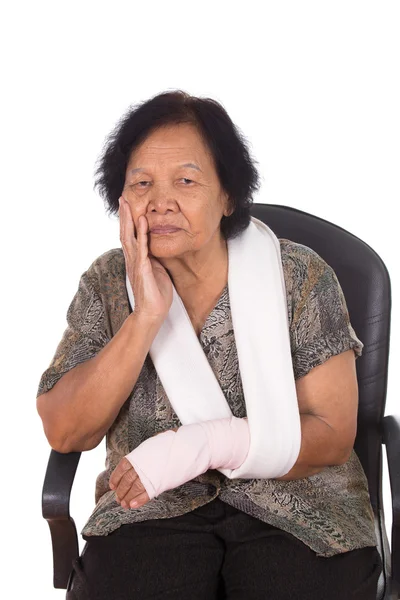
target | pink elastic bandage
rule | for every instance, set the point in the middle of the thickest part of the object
(169, 459)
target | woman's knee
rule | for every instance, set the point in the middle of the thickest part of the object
(278, 567)
(182, 564)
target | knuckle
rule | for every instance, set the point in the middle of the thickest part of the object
(123, 487)
(130, 496)
(131, 476)
(120, 492)
(114, 479)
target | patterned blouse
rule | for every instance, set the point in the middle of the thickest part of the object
(330, 511)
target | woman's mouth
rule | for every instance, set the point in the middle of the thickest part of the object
(163, 230)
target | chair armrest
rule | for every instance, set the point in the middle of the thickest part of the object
(56, 493)
(391, 438)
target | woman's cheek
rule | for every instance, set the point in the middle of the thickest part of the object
(137, 209)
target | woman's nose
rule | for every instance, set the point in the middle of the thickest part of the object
(161, 198)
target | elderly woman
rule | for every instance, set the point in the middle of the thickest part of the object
(193, 503)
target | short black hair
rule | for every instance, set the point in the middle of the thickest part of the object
(235, 167)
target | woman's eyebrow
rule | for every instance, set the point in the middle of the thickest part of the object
(189, 165)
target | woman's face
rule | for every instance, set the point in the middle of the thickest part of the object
(171, 180)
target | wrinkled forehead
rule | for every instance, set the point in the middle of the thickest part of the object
(180, 144)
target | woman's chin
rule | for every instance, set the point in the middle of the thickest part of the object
(163, 250)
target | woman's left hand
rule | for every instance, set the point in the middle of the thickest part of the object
(127, 485)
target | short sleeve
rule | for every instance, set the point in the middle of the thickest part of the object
(85, 335)
(320, 325)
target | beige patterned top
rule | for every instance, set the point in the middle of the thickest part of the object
(330, 511)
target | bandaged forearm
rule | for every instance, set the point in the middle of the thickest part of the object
(167, 460)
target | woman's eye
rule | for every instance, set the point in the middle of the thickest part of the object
(185, 179)
(139, 183)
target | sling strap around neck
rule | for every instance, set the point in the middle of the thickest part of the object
(258, 305)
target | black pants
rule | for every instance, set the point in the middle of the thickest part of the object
(217, 551)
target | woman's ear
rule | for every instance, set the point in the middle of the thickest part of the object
(228, 210)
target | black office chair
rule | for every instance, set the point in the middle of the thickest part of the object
(366, 285)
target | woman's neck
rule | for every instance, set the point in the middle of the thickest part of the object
(200, 273)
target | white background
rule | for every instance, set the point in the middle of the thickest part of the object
(314, 86)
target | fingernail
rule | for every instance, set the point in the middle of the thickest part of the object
(133, 503)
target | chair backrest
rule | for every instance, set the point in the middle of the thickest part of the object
(366, 286)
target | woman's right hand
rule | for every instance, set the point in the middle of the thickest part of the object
(151, 284)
